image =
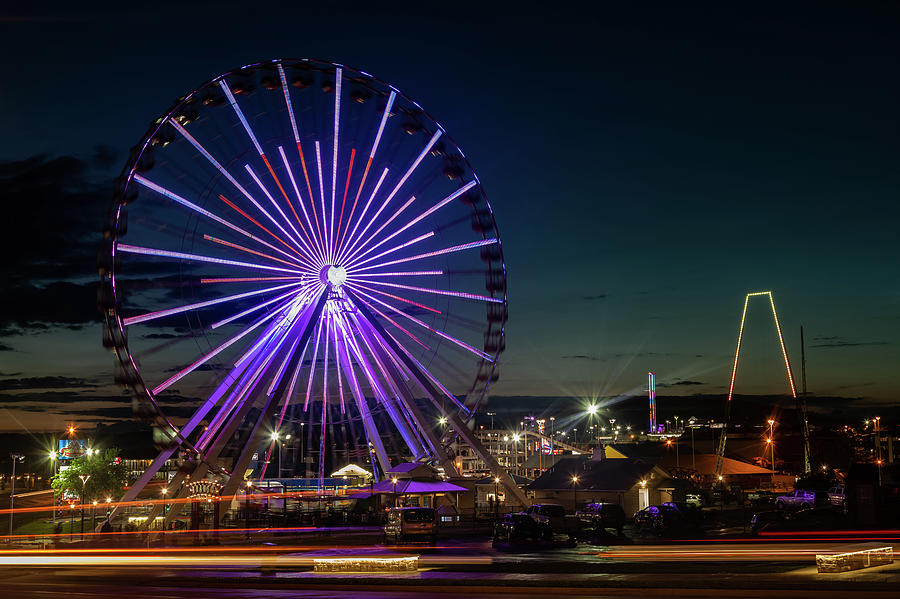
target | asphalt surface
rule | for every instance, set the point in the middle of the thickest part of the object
(455, 568)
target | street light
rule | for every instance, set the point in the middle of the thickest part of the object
(771, 443)
(84, 478)
(574, 493)
(394, 480)
(496, 497)
(16, 457)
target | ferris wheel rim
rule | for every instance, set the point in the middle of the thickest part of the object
(113, 314)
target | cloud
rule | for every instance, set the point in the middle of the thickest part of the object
(581, 357)
(4, 347)
(592, 298)
(849, 343)
(687, 383)
(45, 382)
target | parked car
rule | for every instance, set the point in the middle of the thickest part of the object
(691, 516)
(554, 516)
(658, 519)
(761, 499)
(600, 516)
(695, 499)
(836, 496)
(822, 518)
(762, 519)
(519, 528)
(404, 523)
(801, 500)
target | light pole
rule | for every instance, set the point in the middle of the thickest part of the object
(16, 457)
(693, 458)
(84, 478)
(877, 421)
(552, 427)
(277, 441)
(574, 494)
(496, 497)
(592, 410)
(515, 440)
(165, 508)
(771, 443)
(53, 464)
(291, 461)
(394, 481)
(493, 450)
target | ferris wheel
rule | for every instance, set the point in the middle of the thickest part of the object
(297, 246)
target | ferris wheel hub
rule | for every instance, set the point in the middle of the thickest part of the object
(334, 275)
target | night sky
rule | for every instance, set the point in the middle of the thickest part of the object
(648, 165)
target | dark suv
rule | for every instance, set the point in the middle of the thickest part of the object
(600, 516)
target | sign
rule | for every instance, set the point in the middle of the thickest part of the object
(69, 449)
(545, 447)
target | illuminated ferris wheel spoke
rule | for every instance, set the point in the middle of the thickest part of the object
(344, 200)
(236, 208)
(190, 138)
(334, 160)
(403, 367)
(312, 366)
(205, 358)
(288, 298)
(406, 175)
(362, 182)
(242, 248)
(191, 206)
(406, 273)
(302, 204)
(322, 199)
(372, 434)
(197, 306)
(420, 217)
(350, 254)
(393, 406)
(358, 285)
(296, 131)
(441, 252)
(134, 249)
(396, 248)
(245, 279)
(349, 239)
(288, 221)
(251, 377)
(438, 332)
(459, 294)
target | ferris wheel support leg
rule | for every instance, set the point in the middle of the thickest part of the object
(270, 407)
(369, 427)
(409, 403)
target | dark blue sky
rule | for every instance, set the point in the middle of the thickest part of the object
(647, 164)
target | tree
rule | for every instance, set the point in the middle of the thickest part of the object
(108, 476)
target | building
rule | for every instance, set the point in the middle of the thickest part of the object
(633, 484)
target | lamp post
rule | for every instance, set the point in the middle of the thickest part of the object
(552, 427)
(693, 457)
(574, 494)
(496, 497)
(877, 421)
(16, 457)
(515, 440)
(771, 443)
(84, 478)
(277, 441)
(394, 481)
(592, 410)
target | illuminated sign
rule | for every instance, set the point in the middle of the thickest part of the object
(69, 449)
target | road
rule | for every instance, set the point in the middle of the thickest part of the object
(463, 568)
